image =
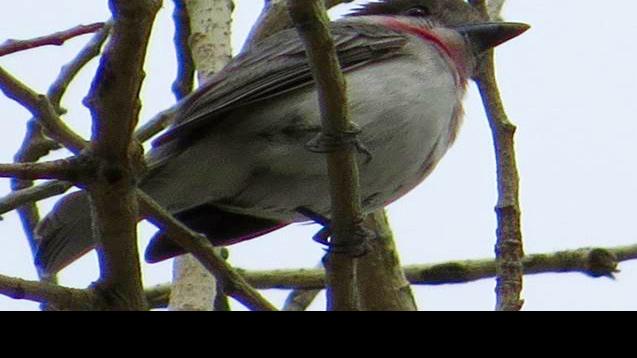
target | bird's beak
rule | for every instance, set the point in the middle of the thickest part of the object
(485, 36)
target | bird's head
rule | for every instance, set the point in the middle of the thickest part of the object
(455, 26)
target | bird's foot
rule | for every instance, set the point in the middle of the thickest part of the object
(326, 143)
(355, 247)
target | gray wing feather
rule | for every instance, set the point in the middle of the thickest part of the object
(274, 67)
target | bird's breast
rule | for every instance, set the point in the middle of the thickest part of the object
(407, 108)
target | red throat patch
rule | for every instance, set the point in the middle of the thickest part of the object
(453, 54)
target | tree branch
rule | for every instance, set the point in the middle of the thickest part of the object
(70, 169)
(114, 104)
(382, 282)
(36, 145)
(70, 70)
(158, 123)
(209, 26)
(234, 285)
(509, 246)
(42, 109)
(312, 25)
(57, 39)
(184, 82)
(594, 262)
(21, 197)
(62, 298)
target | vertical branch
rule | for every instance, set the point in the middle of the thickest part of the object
(114, 104)
(509, 247)
(210, 23)
(274, 17)
(194, 287)
(312, 23)
(382, 281)
(34, 146)
(185, 67)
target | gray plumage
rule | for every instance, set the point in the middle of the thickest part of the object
(237, 150)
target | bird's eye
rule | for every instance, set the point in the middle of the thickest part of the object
(418, 11)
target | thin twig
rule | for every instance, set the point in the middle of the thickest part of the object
(509, 246)
(21, 197)
(36, 145)
(301, 299)
(593, 262)
(184, 82)
(42, 109)
(71, 69)
(156, 124)
(57, 39)
(62, 169)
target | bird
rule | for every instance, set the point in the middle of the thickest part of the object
(238, 163)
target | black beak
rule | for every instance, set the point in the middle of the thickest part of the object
(488, 35)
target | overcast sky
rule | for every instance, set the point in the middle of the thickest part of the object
(569, 84)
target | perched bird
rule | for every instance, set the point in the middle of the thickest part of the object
(235, 165)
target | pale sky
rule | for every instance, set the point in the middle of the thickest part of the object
(568, 83)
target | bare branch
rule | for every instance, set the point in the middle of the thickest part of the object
(42, 109)
(63, 298)
(184, 82)
(301, 299)
(382, 283)
(312, 24)
(70, 169)
(594, 262)
(234, 285)
(114, 103)
(509, 246)
(39, 192)
(210, 22)
(57, 39)
(70, 70)
(36, 145)
(155, 125)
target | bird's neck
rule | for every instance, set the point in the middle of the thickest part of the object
(450, 44)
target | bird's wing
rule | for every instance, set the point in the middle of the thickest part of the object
(276, 66)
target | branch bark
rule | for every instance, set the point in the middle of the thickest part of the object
(312, 24)
(184, 82)
(594, 262)
(233, 284)
(509, 246)
(42, 109)
(57, 39)
(62, 298)
(114, 104)
(194, 287)
(70, 169)
(21, 197)
(37, 145)
(382, 282)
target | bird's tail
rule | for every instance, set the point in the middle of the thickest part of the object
(64, 234)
